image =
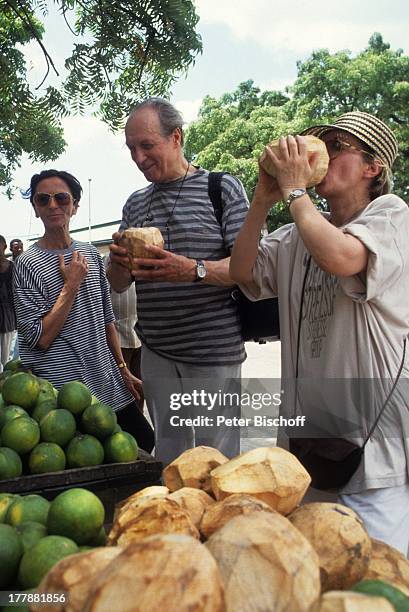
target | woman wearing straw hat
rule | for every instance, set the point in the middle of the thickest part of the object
(342, 279)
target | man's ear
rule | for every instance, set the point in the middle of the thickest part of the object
(373, 169)
(177, 136)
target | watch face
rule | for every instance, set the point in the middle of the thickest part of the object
(298, 192)
(201, 271)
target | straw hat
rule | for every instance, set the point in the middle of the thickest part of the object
(368, 128)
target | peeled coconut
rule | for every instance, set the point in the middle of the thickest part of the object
(314, 145)
(192, 468)
(74, 577)
(271, 474)
(135, 239)
(266, 564)
(166, 572)
(340, 539)
(222, 512)
(153, 491)
(194, 501)
(347, 601)
(150, 516)
(388, 564)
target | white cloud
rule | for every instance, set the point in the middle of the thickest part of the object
(301, 25)
(188, 108)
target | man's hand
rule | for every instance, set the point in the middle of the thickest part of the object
(118, 254)
(267, 192)
(166, 267)
(75, 272)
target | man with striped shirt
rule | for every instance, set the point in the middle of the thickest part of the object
(187, 321)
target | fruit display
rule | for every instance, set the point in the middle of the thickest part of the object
(184, 548)
(35, 533)
(45, 430)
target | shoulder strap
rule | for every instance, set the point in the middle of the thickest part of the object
(215, 194)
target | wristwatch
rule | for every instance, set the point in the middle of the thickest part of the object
(294, 194)
(200, 270)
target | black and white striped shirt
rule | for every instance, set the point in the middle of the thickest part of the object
(190, 322)
(80, 351)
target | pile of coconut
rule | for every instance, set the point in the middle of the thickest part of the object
(229, 535)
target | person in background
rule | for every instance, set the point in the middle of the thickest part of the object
(187, 322)
(126, 317)
(342, 280)
(7, 314)
(64, 314)
(16, 248)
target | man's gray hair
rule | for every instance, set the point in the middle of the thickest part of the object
(169, 117)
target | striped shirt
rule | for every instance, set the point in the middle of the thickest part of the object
(80, 351)
(190, 322)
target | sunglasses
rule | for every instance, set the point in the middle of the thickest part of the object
(63, 198)
(336, 146)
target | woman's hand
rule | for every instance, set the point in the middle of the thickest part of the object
(267, 192)
(292, 166)
(75, 272)
(133, 384)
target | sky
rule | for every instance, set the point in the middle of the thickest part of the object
(260, 40)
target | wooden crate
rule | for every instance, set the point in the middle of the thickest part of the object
(111, 482)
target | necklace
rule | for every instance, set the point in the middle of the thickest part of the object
(149, 215)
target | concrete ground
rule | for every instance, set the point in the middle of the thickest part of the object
(263, 361)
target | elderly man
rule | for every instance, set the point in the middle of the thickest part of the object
(188, 323)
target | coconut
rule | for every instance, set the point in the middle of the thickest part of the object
(347, 601)
(222, 512)
(388, 564)
(271, 474)
(340, 539)
(135, 239)
(194, 501)
(314, 146)
(266, 564)
(150, 516)
(153, 491)
(192, 468)
(166, 572)
(74, 577)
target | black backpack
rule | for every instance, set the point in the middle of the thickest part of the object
(259, 320)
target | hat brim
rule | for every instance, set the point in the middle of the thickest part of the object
(320, 130)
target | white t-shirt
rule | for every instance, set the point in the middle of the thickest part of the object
(351, 338)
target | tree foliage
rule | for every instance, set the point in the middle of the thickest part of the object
(231, 132)
(123, 51)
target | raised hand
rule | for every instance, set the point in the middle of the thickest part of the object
(74, 272)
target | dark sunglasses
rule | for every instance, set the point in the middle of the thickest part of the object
(62, 198)
(337, 145)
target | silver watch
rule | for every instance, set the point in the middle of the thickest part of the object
(200, 270)
(294, 194)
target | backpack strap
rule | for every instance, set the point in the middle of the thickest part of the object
(215, 194)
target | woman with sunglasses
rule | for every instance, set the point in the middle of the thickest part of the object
(342, 280)
(64, 314)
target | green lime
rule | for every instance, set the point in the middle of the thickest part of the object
(74, 396)
(11, 550)
(46, 457)
(30, 533)
(21, 389)
(120, 447)
(10, 463)
(28, 508)
(98, 420)
(58, 426)
(77, 514)
(84, 450)
(39, 559)
(21, 434)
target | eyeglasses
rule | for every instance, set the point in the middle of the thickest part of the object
(62, 198)
(336, 146)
